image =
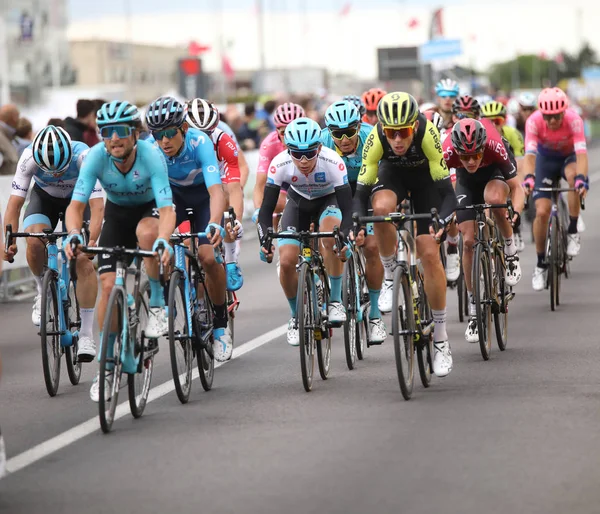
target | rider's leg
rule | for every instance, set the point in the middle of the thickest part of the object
(574, 243)
(36, 258)
(87, 293)
(330, 218)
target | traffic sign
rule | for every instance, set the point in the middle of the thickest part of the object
(440, 49)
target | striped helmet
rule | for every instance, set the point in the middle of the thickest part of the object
(52, 150)
(356, 100)
(117, 112)
(164, 112)
(202, 115)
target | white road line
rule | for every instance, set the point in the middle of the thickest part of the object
(594, 178)
(78, 432)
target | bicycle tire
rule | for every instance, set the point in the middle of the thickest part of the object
(501, 317)
(461, 286)
(231, 316)
(204, 359)
(324, 344)
(424, 347)
(481, 268)
(139, 383)
(74, 367)
(49, 314)
(554, 265)
(180, 342)
(362, 328)
(305, 312)
(106, 406)
(351, 302)
(403, 320)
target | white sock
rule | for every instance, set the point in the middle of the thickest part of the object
(87, 322)
(238, 248)
(439, 318)
(510, 248)
(38, 283)
(230, 251)
(388, 266)
(453, 240)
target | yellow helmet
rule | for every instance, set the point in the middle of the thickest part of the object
(397, 110)
(493, 109)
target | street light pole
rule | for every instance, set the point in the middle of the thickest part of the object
(4, 80)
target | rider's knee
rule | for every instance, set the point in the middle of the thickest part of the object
(107, 283)
(382, 205)
(288, 257)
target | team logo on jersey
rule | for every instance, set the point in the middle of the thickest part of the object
(272, 169)
(460, 198)
(211, 169)
(345, 179)
(294, 178)
(136, 175)
(341, 166)
(320, 177)
(270, 180)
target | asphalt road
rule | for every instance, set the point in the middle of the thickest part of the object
(516, 434)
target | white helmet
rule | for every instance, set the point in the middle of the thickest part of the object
(427, 106)
(527, 99)
(202, 115)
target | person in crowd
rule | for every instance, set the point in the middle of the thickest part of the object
(83, 128)
(57, 122)
(9, 120)
(23, 136)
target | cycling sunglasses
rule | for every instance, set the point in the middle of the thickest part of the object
(403, 132)
(349, 132)
(465, 114)
(466, 157)
(168, 133)
(309, 154)
(122, 131)
(447, 94)
(497, 120)
(548, 117)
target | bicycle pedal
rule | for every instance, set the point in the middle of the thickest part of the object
(374, 343)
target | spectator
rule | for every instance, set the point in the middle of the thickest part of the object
(57, 122)
(9, 119)
(266, 113)
(248, 133)
(83, 128)
(23, 136)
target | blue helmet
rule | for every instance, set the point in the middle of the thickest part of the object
(447, 87)
(341, 115)
(52, 150)
(302, 134)
(117, 112)
(165, 112)
(358, 102)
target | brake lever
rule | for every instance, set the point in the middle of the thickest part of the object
(8, 240)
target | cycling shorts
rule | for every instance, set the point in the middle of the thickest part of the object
(198, 199)
(470, 188)
(46, 209)
(548, 169)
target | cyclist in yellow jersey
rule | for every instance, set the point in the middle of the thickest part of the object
(403, 154)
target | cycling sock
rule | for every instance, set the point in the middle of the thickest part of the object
(453, 240)
(220, 319)
(573, 224)
(472, 308)
(439, 318)
(230, 252)
(510, 248)
(38, 283)
(388, 266)
(374, 312)
(157, 297)
(87, 322)
(336, 288)
(517, 230)
(292, 302)
(541, 260)
(452, 249)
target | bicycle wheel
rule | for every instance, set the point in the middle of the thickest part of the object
(180, 342)
(144, 351)
(50, 333)
(305, 312)
(553, 265)
(73, 321)
(324, 342)
(501, 313)
(362, 327)
(351, 302)
(403, 321)
(460, 285)
(425, 345)
(231, 315)
(204, 356)
(482, 292)
(110, 359)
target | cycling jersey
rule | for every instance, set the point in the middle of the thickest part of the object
(270, 148)
(60, 186)
(228, 130)
(353, 161)
(227, 155)
(515, 140)
(146, 181)
(569, 138)
(196, 163)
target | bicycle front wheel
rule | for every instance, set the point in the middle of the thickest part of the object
(324, 343)
(50, 333)
(460, 285)
(425, 344)
(554, 265)
(305, 312)
(482, 292)
(73, 322)
(501, 313)
(351, 302)
(204, 355)
(403, 322)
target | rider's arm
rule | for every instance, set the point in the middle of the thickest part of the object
(96, 217)
(372, 154)
(343, 195)
(244, 169)
(579, 145)
(207, 158)
(360, 202)
(531, 146)
(265, 215)
(228, 154)
(517, 194)
(264, 160)
(26, 168)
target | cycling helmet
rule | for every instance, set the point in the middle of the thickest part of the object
(372, 97)
(483, 99)
(553, 100)
(435, 118)
(447, 87)
(466, 103)
(302, 134)
(428, 106)
(527, 99)
(493, 109)
(468, 136)
(397, 110)
(341, 115)
(52, 150)
(358, 102)
(286, 113)
(501, 99)
(165, 112)
(202, 115)
(117, 112)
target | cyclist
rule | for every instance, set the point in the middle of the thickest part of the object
(447, 91)
(202, 115)
(356, 100)
(318, 190)
(195, 182)
(555, 146)
(134, 175)
(53, 161)
(371, 99)
(485, 172)
(403, 154)
(527, 104)
(243, 164)
(438, 122)
(345, 134)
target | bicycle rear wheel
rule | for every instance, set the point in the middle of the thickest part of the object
(349, 299)
(482, 292)
(460, 285)
(110, 359)
(501, 316)
(144, 350)
(553, 265)
(73, 321)
(362, 327)
(305, 312)
(180, 342)
(204, 356)
(324, 342)
(50, 333)
(403, 321)
(424, 345)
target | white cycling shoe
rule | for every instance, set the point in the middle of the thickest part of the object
(538, 282)
(512, 274)
(95, 389)
(158, 324)
(36, 313)
(336, 312)
(472, 333)
(442, 359)
(377, 331)
(293, 335)
(573, 245)
(86, 349)
(452, 267)
(385, 297)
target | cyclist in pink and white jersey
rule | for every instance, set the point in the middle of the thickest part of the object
(271, 147)
(555, 146)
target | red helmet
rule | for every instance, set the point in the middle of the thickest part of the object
(371, 98)
(468, 136)
(466, 103)
(553, 100)
(286, 113)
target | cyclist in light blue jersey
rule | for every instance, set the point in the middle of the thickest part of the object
(346, 134)
(196, 183)
(139, 208)
(53, 162)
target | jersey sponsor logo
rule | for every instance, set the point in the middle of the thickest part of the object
(320, 177)
(580, 146)
(230, 145)
(448, 152)
(197, 141)
(460, 198)
(211, 169)
(327, 159)
(341, 166)
(17, 187)
(368, 144)
(264, 158)
(136, 175)
(284, 163)
(499, 148)
(294, 178)
(273, 169)
(436, 139)
(576, 126)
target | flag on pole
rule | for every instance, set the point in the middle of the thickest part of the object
(413, 23)
(436, 29)
(227, 68)
(346, 9)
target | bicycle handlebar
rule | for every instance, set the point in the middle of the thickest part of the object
(303, 235)
(556, 190)
(395, 217)
(46, 234)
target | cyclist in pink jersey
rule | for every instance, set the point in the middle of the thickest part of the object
(555, 147)
(271, 147)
